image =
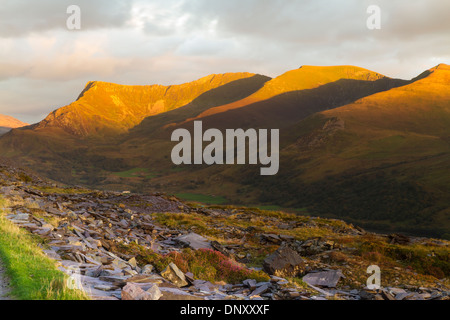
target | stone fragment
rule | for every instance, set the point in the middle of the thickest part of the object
(194, 241)
(327, 279)
(133, 292)
(148, 269)
(262, 289)
(173, 274)
(271, 238)
(103, 287)
(387, 296)
(250, 283)
(190, 277)
(124, 224)
(145, 279)
(133, 263)
(153, 293)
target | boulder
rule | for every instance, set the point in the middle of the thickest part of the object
(133, 292)
(260, 290)
(173, 274)
(329, 278)
(285, 262)
(399, 239)
(194, 241)
(153, 293)
(148, 269)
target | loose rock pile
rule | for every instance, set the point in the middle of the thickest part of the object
(83, 229)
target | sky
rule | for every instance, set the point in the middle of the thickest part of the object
(44, 65)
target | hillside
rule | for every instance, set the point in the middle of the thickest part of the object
(106, 108)
(157, 247)
(382, 159)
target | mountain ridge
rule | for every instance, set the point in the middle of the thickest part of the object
(105, 108)
(306, 77)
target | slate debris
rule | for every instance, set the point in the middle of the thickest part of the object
(92, 224)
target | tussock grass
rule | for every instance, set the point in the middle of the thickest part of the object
(205, 264)
(63, 190)
(32, 274)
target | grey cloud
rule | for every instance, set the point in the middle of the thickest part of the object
(326, 22)
(282, 20)
(21, 17)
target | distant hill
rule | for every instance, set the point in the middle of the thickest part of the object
(7, 123)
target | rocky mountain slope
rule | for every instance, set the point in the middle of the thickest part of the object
(155, 247)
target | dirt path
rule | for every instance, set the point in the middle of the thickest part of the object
(4, 284)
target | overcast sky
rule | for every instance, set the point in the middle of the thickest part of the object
(44, 66)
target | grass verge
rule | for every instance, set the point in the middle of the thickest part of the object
(32, 274)
(201, 198)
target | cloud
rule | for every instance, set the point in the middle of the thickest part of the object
(22, 17)
(44, 66)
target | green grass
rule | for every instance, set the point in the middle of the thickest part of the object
(135, 173)
(32, 274)
(269, 208)
(202, 198)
